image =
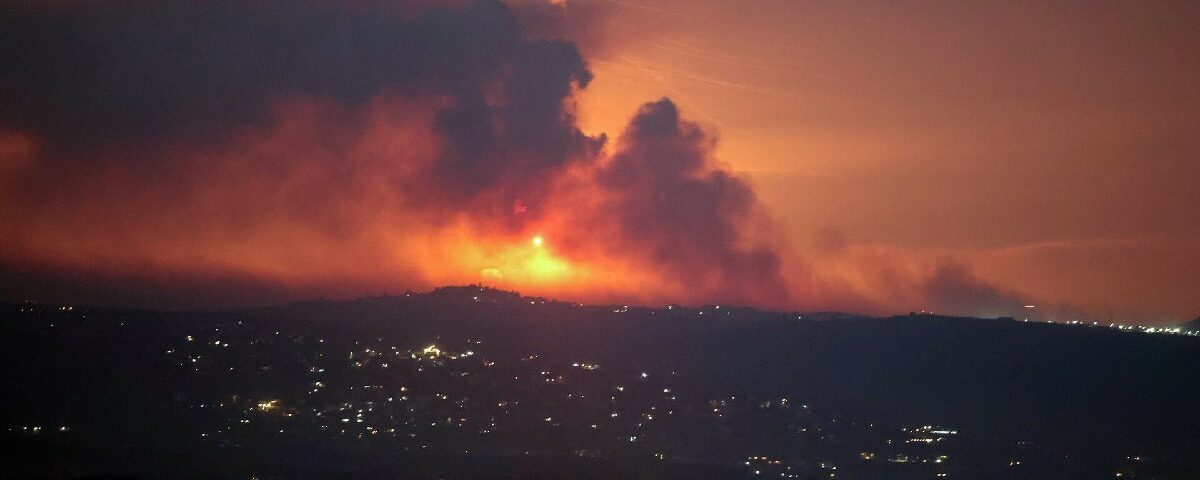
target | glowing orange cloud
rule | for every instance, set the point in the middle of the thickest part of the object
(377, 147)
(292, 207)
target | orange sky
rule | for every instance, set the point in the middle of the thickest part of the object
(1055, 148)
(962, 157)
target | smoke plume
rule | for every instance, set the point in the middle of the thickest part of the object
(187, 150)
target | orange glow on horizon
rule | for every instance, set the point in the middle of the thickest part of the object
(528, 265)
(870, 177)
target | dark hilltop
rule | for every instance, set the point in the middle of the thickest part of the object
(472, 382)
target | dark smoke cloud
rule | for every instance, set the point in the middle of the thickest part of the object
(954, 288)
(200, 141)
(675, 207)
(91, 76)
(587, 24)
(183, 153)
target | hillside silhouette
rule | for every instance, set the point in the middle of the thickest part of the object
(163, 390)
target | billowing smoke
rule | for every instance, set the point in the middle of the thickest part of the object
(954, 287)
(170, 153)
(120, 76)
(683, 214)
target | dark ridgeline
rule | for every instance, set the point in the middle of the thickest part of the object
(470, 382)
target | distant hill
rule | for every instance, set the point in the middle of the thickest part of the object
(1081, 389)
(991, 374)
(1193, 325)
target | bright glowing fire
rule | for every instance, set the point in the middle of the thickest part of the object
(524, 265)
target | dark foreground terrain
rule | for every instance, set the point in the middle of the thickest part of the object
(467, 382)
